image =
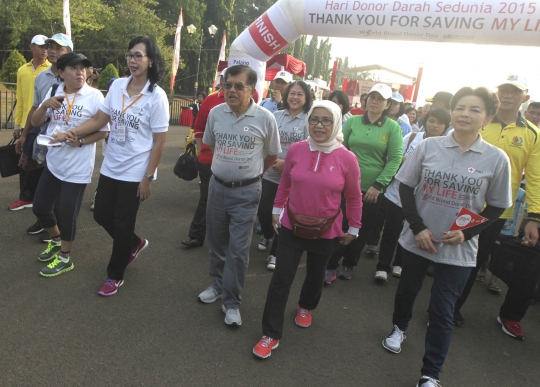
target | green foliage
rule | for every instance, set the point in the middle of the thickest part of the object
(10, 68)
(310, 56)
(108, 72)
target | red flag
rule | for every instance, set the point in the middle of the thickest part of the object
(333, 79)
(221, 56)
(467, 219)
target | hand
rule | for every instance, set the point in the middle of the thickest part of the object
(531, 234)
(425, 240)
(346, 239)
(371, 195)
(143, 192)
(453, 237)
(277, 96)
(74, 144)
(278, 166)
(54, 102)
(276, 223)
(60, 137)
(16, 133)
(19, 144)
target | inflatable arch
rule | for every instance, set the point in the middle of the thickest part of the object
(462, 21)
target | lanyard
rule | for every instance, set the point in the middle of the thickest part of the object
(69, 105)
(130, 105)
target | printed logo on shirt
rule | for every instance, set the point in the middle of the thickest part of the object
(331, 168)
(130, 121)
(383, 139)
(246, 129)
(471, 169)
(517, 141)
(450, 189)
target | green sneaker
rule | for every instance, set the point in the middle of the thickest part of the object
(51, 252)
(56, 267)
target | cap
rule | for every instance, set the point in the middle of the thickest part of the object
(442, 96)
(287, 77)
(384, 90)
(71, 59)
(517, 81)
(397, 97)
(110, 82)
(40, 40)
(61, 39)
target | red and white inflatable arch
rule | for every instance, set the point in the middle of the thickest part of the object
(462, 21)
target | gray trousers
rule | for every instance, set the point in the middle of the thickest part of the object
(230, 215)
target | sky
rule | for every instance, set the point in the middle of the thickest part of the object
(447, 66)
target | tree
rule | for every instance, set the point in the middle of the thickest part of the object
(10, 68)
(300, 47)
(310, 56)
(106, 75)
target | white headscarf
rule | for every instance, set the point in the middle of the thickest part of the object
(336, 138)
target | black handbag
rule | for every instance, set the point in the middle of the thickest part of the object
(518, 266)
(186, 166)
(9, 160)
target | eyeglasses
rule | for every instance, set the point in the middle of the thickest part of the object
(325, 121)
(137, 57)
(237, 86)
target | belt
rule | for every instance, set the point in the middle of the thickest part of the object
(239, 183)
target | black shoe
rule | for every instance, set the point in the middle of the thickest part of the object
(45, 237)
(190, 243)
(459, 321)
(35, 229)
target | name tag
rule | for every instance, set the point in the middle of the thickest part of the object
(121, 134)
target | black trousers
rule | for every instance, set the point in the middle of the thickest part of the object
(288, 257)
(268, 194)
(374, 235)
(28, 182)
(57, 203)
(197, 230)
(515, 305)
(115, 210)
(351, 252)
(486, 242)
(392, 229)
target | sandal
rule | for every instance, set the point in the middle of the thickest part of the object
(494, 288)
(481, 277)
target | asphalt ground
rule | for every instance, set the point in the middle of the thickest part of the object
(59, 332)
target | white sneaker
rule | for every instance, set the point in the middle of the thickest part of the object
(271, 262)
(232, 316)
(393, 341)
(264, 243)
(209, 295)
(381, 276)
(396, 271)
(426, 381)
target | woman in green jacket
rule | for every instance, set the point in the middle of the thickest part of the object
(377, 143)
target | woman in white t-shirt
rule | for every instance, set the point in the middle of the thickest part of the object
(138, 111)
(70, 165)
(437, 123)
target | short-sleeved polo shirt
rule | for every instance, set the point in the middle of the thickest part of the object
(26, 75)
(446, 180)
(520, 141)
(240, 143)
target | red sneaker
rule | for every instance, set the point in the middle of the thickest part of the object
(135, 252)
(303, 318)
(19, 205)
(110, 287)
(264, 347)
(511, 328)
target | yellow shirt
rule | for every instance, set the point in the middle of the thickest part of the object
(26, 76)
(520, 140)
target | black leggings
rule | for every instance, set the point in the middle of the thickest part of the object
(264, 212)
(67, 197)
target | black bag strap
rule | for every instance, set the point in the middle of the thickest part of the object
(54, 88)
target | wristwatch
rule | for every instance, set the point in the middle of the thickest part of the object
(149, 176)
(81, 141)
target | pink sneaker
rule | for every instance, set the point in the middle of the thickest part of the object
(303, 318)
(136, 251)
(264, 347)
(110, 287)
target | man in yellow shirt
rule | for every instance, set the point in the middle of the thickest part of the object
(26, 76)
(520, 140)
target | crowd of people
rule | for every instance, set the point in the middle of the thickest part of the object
(321, 178)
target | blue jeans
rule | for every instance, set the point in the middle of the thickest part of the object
(448, 283)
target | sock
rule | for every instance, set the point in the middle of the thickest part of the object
(64, 256)
(56, 239)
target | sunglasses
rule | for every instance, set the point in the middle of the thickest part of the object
(237, 86)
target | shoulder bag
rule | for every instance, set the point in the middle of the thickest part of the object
(9, 160)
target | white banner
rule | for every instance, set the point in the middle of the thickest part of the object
(67, 18)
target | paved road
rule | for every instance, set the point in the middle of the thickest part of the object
(59, 332)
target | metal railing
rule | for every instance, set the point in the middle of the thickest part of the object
(8, 101)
